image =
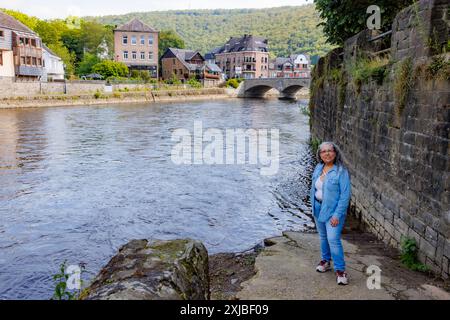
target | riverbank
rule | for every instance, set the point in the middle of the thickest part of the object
(126, 97)
(116, 98)
(285, 269)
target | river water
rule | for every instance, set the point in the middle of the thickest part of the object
(79, 182)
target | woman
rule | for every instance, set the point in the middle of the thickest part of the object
(330, 196)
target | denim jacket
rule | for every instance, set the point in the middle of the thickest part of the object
(336, 192)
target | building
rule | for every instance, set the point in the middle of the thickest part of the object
(186, 64)
(296, 66)
(21, 53)
(136, 45)
(245, 57)
(53, 66)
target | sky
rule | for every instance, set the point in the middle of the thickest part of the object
(50, 9)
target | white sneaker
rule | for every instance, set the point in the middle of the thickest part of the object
(341, 278)
(323, 266)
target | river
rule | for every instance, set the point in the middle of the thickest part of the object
(79, 182)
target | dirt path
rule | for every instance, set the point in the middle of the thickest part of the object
(286, 270)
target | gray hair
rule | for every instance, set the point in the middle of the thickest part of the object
(339, 161)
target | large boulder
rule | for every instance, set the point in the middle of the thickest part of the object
(154, 270)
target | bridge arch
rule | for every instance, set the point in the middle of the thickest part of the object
(287, 87)
(258, 91)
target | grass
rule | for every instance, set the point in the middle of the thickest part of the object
(314, 143)
(409, 255)
(438, 68)
(365, 69)
(403, 83)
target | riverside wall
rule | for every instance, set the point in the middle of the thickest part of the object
(392, 123)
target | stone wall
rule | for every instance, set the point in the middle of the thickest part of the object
(393, 127)
(11, 88)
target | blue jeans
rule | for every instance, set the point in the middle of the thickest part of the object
(330, 240)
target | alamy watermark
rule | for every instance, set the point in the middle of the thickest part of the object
(229, 146)
(374, 279)
(374, 20)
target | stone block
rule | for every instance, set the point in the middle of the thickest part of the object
(413, 234)
(389, 228)
(428, 249)
(418, 225)
(431, 236)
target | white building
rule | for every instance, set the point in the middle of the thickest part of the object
(53, 66)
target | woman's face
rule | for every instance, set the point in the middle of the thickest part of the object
(327, 154)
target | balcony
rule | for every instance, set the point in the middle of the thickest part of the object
(28, 51)
(31, 71)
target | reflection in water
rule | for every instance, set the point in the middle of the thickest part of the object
(77, 183)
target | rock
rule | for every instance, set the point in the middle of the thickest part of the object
(154, 270)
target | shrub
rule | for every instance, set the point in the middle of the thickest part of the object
(61, 292)
(233, 83)
(364, 69)
(409, 255)
(194, 83)
(110, 68)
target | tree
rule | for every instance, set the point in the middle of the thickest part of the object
(343, 19)
(169, 39)
(73, 41)
(110, 68)
(85, 65)
(29, 21)
(92, 34)
(50, 31)
(68, 57)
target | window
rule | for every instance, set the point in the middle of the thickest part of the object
(142, 55)
(33, 42)
(150, 55)
(125, 55)
(173, 61)
(34, 61)
(1, 58)
(150, 40)
(2, 33)
(134, 55)
(142, 40)
(125, 39)
(175, 71)
(39, 62)
(133, 40)
(181, 71)
(21, 41)
(29, 61)
(22, 60)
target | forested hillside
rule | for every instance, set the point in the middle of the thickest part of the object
(288, 29)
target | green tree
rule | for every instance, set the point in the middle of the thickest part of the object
(110, 68)
(85, 65)
(50, 31)
(169, 39)
(73, 41)
(343, 19)
(29, 21)
(68, 57)
(92, 35)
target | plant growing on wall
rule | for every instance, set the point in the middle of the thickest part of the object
(409, 255)
(403, 83)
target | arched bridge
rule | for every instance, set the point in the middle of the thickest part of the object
(257, 88)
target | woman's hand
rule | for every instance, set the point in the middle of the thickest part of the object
(334, 221)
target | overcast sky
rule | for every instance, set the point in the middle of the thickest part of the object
(63, 8)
